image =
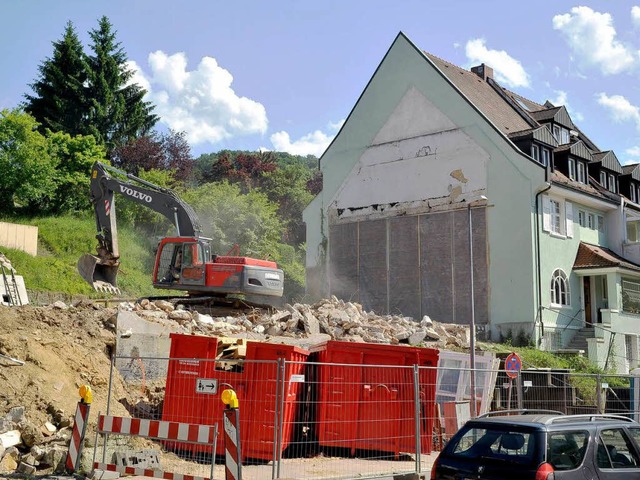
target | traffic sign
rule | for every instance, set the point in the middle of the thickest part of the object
(512, 365)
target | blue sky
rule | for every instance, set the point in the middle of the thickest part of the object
(283, 75)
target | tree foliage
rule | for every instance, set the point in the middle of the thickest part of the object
(59, 102)
(117, 111)
(27, 171)
(90, 94)
(156, 151)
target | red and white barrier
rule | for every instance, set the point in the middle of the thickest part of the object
(157, 430)
(145, 472)
(232, 461)
(77, 436)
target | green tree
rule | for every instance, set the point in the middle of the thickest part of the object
(117, 110)
(27, 171)
(58, 102)
(73, 158)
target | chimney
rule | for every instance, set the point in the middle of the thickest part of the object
(483, 71)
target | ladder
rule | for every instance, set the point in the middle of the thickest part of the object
(11, 288)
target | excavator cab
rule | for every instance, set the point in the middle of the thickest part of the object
(180, 261)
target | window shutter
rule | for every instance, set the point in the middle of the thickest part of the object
(546, 213)
(568, 209)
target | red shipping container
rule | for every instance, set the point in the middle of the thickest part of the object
(369, 408)
(189, 394)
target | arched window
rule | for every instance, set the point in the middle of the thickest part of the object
(560, 288)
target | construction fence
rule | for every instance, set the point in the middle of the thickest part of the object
(307, 416)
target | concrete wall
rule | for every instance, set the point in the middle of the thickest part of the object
(19, 237)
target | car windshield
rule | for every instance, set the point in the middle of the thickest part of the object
(499, 443)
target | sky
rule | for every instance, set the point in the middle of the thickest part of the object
(284, 74)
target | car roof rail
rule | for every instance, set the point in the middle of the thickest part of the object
(591, 417)
(520, 411)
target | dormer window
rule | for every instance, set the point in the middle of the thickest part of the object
(603, 179)
(561, 134)
(546, 154)
(582, 178)
(612, 183)
(632, 191)
(572, 169)
(535, 152)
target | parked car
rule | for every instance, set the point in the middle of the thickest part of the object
(542, 445)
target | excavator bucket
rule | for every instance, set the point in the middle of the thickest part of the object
(99, 274)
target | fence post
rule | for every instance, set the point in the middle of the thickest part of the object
(598, 393)
(416, 411)
(635, 394)
(280, 409)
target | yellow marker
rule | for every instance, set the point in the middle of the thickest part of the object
(86, 394)
(230, 398)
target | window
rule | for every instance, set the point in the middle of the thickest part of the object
(546, 157)
(603, 179)
(582, 218)
(556, 226)
(564, 136)
(615, 450)
(591, 221)
(556, 132)
(513, 447)
(565, 450)
(632, 193)
(630, 296)
(535, 152)
(557, 216)
(612, 183)
(581, 173)
(600, 223)
(572, 169)
(560, 289)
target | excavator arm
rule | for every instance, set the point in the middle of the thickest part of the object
(101, 270)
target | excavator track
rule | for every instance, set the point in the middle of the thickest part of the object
(216, 306)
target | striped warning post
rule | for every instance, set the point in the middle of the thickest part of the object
(145, 472)
(232, 461)
(157, 429)
(77, 437)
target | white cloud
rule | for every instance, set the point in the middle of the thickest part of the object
(620, 109)
(592, 38)
(507, 70)
(200, 102)
(635, 16)
(314, 143)
(632, 152)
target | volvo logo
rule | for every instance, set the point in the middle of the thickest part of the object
(135, 194)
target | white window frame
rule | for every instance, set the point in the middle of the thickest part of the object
(556, 132)
(582, 218)
(600, 223)
(546, 157)
(581, 173)
(535, 152)
(572, 169)
(632, 193)
(603, 178)
(612, 183)
(560, 291)
(591, 221)
(557, 216)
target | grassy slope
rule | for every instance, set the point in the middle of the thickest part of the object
(62, 240)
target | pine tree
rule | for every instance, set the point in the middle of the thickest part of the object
(117, 110)
(58, 102)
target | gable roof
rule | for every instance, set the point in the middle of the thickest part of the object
(594, 256)
(632, 170)
(479, 92)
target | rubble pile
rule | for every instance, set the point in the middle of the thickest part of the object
(328, 319)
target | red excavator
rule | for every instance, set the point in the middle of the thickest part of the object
(184, 261)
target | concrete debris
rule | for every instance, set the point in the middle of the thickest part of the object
(24, 448)
(296, 323)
